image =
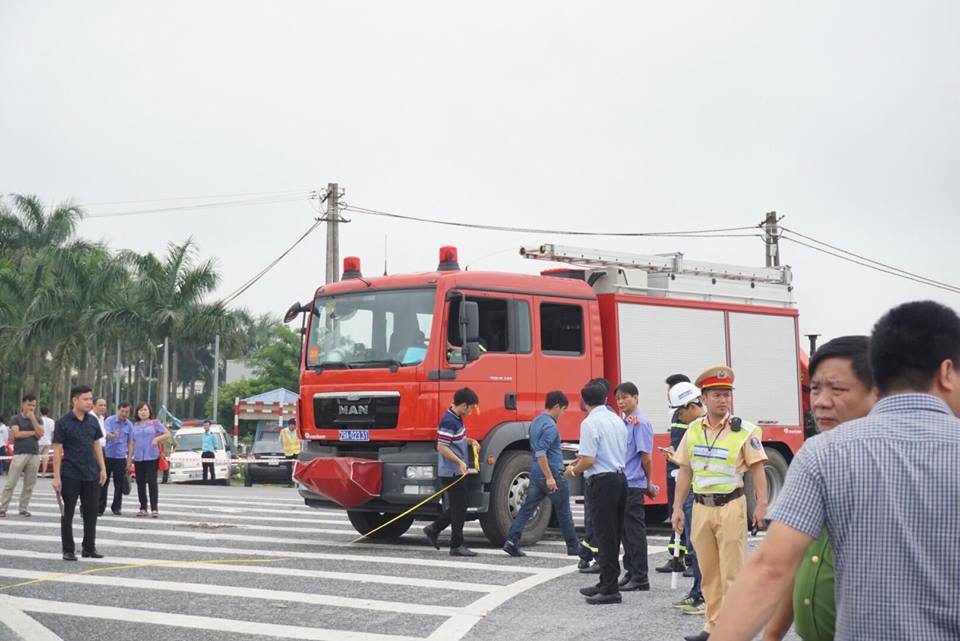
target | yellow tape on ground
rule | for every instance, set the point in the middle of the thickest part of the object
(132, 566)
(476, 461)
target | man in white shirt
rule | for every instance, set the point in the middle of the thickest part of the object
(100, 413)
(4, 437)
(46, 441)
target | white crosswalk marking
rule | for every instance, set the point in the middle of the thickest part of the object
(258, 550)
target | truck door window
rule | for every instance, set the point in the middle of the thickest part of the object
(523, 333)
(561, 329)
(494, 326)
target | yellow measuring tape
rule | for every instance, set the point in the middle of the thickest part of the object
(132, 566)
(476, 466)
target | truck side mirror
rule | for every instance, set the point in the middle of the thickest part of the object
(470, 330)
(295, 310)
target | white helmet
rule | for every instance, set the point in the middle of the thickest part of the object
(682, 394)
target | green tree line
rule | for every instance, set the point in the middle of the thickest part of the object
(65, 302)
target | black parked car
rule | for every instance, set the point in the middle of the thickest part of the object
(273, 469)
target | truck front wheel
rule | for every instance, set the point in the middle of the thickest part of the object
(365, 522)
(776, 473)
(511, 478)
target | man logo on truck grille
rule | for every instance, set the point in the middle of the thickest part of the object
(354, 410)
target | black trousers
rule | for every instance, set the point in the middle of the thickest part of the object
(454, 510)
(608, 496)
(89, 494)
(147, 479)
(635, 536)
(116, 468)
(291, 463)
(209, 466)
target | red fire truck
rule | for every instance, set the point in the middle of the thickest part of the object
(383, 356)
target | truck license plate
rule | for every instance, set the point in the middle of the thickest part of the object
(354, 435)
(273, 462)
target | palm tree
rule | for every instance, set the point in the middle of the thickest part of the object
(167, 301)
(28, 235)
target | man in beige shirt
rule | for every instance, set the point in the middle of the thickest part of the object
(713, 455)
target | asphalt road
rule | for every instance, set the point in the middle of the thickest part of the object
(228, 563)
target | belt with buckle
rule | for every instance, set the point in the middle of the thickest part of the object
(716, 500)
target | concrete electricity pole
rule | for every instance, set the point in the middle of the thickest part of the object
(332, 217)
(771, 235)
(216, 376)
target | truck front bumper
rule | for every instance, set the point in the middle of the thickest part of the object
(403, 477)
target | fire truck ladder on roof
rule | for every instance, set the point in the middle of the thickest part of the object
(660, 263)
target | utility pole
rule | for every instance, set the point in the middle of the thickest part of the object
(216, 375)
(117, 374)
(165, 394)
(332, 217)
(771, 236)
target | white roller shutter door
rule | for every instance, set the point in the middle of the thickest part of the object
(764, 359)
(657, 341)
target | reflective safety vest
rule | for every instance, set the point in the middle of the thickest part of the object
(290, 442)
(714, 465)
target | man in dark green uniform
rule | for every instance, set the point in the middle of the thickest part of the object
(841, 389)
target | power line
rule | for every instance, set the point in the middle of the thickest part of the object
(923, 281)
(245, 202)
(694, 233)
(171, 198)
(263, 272)
(864, 258)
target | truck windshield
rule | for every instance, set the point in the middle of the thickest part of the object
(370, 329)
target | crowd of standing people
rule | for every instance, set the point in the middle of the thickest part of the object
(856, 542)
(89, 450)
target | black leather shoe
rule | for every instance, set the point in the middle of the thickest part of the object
(463, 550)
(703, 636)
(92, 554)
(590, 590)
(632, 585)
(688, 572)
(625, 579)
(432, 536)
(69, 556)
(513, 549)
(116, 512)
(666, 567)
(602, 599)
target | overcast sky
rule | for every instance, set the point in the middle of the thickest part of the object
(632, 116)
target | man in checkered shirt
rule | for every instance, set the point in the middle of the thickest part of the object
(886, 488)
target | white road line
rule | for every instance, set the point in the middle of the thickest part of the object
(284, 554)
(225, 513)
(270, 570)
(198, 623)
(312, 598)
(22, 626)
(187, 533)
(458, 626)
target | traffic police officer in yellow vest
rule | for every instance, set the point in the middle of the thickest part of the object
(713, 455)
(290, 440)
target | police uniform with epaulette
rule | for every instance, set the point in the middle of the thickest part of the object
(717, 456)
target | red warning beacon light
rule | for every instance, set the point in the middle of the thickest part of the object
(351, 268)
(448, 259)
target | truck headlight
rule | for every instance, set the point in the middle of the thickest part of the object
(423, 472)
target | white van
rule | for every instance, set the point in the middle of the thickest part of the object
(186, 463)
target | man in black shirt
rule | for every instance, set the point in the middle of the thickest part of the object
(80, 473)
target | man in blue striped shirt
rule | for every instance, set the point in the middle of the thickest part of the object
(546, 477)
(453, 447)
(885, 487)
